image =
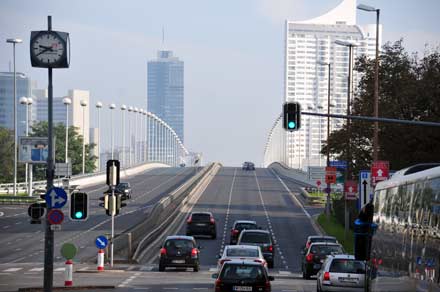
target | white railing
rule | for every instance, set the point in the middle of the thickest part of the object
(275, 149)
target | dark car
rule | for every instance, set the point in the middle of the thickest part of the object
(238, 275)
(248, 166)
(315, 255)
(124, 188)
(319, 238)
(261, 238)
(179, 251)
(201, 223)
(238, 226)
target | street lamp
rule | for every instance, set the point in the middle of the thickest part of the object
(350, 45)
(27, 102)
(135, 110)
(123, 108)
(112, 106)
(376, 81)
(130, 109)
(84, 104)
(14, 42)
(67, 101)
(98, 107)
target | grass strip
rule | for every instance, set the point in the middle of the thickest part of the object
(332, 227)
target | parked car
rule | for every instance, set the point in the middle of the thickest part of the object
(315, 255)
(179, 251)
(125, 189)
(201, 223)
(238, 275)
(319, 238)
(238, 226)
(261, 238)
(341, 273)
(241, 252)
(248, 166)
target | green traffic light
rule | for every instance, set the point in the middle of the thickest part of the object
(78, 215)
(291, 125)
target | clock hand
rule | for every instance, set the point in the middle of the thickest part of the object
(47, 49)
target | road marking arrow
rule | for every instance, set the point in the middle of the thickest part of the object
(350, 189)
(379, 172)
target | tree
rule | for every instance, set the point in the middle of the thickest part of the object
(410, 90)
(7, 155)
(75, 148)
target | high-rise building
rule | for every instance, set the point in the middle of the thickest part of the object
(308, 46)
(165, 90)
(75, 110)
(7, 101)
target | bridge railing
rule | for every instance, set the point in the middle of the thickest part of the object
(275, 149)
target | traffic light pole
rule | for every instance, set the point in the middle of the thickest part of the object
(48, 236)
(113, 225)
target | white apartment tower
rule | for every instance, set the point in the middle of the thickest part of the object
(309, 44)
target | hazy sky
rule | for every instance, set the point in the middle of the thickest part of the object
(232, 49)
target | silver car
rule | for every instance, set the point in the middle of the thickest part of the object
(241, 252)
(341, 273)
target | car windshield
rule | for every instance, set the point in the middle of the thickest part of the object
(239, 272)
(241, 226)
(200, 217)
(254, 237)
(123, 185)
(326, 249)
(347, 266)
(184, 244)
(241, 252)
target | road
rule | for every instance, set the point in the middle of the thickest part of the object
(22, 242)
(232, 194)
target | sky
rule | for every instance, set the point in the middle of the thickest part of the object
(232, 49)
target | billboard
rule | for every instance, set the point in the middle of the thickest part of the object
(33, 149)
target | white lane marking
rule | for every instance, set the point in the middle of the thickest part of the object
(1, 214)
(17, 249)
(213, 269)
(12, 270)
(36, 270)
(170, 288)
(129, 279)
(7, 226)
(141, 288)
(60, 269)
(227, 213)
(278, 249)
(202, 288)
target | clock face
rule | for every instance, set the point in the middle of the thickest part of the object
(48, 48)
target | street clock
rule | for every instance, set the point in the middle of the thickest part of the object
(50, 49)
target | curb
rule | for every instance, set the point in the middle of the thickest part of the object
(31, 289)
(99, 272)
(315, 218)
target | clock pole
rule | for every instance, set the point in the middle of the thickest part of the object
(49, 237)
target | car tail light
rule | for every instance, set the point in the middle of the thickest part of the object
(189, 219)
(218, 282)
(309, 257)
(268, 288)
(234, 232)
(326, 276)
(212, 220)
(269, 248)
(379, 262)
(163, 251)
(194, 252)
(258, 261)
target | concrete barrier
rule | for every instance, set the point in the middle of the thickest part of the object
(295, 175)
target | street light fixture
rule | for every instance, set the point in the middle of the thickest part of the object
(67, 101)
(376, 81)
(130, 109)
(123, 108)
(112, 106)
(98, 107)
(84, 104)
(14, 42)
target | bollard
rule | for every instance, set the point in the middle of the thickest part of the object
(101, 260)
(68, 273)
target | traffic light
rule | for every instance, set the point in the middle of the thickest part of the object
(79, 205)
(113, 203)
(291, 116)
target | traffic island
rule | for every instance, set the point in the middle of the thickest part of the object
(333, 228)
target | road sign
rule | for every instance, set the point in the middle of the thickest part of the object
(330, 175)
(35, 211)
(379, 171)
(33, 149)
(55, 227)
(63, 169)
(101, 242)
(365, 193)
(342, 164)
(56, 198)
(55, 216)
(318, 183)
(68, 251)
(350, 189)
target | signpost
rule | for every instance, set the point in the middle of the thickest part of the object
(56, 198)
(330, 175)
(68, 251)
(365, 190)
(379, 171)
(101, 242)
(55, 216)
(63, 169)
(113, 170)
(350, 190)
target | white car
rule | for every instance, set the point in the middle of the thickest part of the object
(241, 252)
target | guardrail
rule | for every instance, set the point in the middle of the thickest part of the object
(17, 200)
(296, 175)
(147, 231)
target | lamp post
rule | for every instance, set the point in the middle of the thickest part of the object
(141, 136)
(310, 107)
(376, 81)
(14, 42)
(350, 46)
(98, 107)
(123, 108)
(67, 101)
(27, 102)
(130, 109)
(112, 106)
(135, 110)
(84, 104)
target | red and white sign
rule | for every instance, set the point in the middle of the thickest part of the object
(318, 183)
(379, 171)
(351, 190)
(55, 216)
(330, 175)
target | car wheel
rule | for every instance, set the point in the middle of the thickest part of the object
(161, 268)
(196, 268)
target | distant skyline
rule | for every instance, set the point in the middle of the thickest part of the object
(233, 53)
